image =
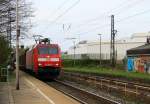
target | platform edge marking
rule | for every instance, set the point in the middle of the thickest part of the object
(39, 91)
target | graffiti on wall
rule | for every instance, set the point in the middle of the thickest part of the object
(136, 63)
(139, 64)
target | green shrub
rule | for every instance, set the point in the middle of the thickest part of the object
(4, 50)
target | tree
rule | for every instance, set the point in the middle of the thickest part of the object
(8, 18)
(4, 50)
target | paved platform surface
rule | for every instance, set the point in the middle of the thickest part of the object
(32, 91)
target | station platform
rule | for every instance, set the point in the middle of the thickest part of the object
(32, 91)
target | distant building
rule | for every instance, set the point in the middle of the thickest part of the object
(86, 49)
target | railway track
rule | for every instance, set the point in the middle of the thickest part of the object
(81, 95)
(136, 89)
(121, 89)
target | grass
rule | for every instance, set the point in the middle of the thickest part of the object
(109, 72)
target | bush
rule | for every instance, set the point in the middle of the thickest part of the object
(4, 51)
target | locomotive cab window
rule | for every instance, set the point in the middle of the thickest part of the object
(48, 50)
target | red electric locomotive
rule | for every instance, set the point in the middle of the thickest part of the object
(44, 59)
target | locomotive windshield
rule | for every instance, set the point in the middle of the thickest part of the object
(48, 50)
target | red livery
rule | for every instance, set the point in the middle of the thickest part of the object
(44, 59)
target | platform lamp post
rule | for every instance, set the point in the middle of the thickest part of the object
(74, 49)
(17, 46)
(100, 57)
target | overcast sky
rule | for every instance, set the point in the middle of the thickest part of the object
(84, 19)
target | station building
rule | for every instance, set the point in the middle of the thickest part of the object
(91, 49)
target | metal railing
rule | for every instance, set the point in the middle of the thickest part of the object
(4, 75)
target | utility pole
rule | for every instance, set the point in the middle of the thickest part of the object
(112, 42)
(10, 25)
(100, 57)
(9, 16)
(74, 53)
(74, 49)
(17, 46)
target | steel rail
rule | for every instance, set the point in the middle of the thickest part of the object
(107, 100)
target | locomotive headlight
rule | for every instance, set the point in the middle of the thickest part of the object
(41, 59)
(40, 64)
(54, 59)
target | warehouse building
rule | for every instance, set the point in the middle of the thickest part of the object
(91, 50)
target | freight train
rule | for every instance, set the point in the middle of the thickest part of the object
(43, 59)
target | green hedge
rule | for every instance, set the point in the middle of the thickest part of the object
(90, 63)
(86, 62)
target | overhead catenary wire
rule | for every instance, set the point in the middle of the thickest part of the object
(62, 14)
(59, 7)
(131, 16)
(100, 16)
(99, 27)
(121, 20)
(138, 1)
(121, 5)
(96, 28)
(95, 19)
(66, 11)
(129, 6)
